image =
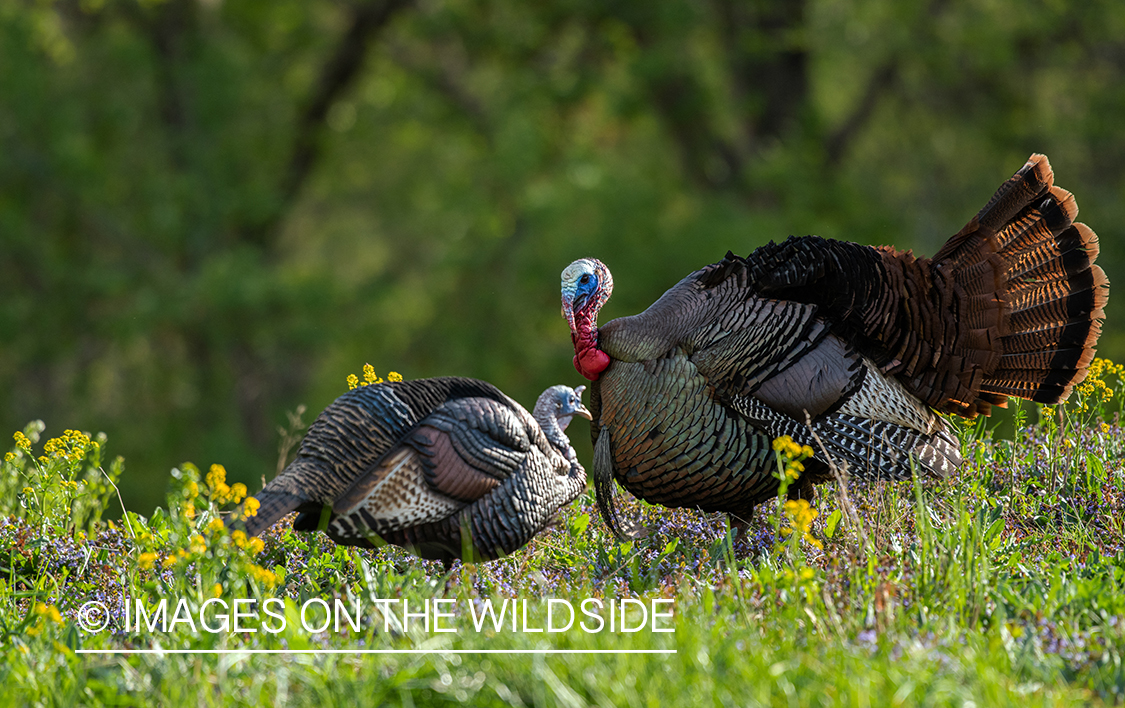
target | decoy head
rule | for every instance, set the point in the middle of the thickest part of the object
(561, 403)
(568, 402)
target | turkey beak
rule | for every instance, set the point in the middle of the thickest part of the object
(571, 304)
(579, 409)
(579, 302)
(567, 308)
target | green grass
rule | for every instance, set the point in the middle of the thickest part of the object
(1004, 585)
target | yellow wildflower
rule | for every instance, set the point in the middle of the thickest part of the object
(370, 378)
(44, 613)
(1095, 383)
(189, 510)
(237, 492)
(239, 538)
(72, 445)
(786, 446)
(250, 508)
(146, 560)
(216, 590)
(50, 612)
(215, 525)
(216, 476)
(22, 442)
(198, 544)
(801, 516)
(168, 562)
(28, 491)
(263, 576)
(256, 545)
(792, 453)
(9, 456)
(192, 489)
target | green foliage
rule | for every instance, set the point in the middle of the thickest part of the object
(65, 485)
(211, 209)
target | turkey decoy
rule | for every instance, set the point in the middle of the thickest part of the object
(447, 467)
(867, 342)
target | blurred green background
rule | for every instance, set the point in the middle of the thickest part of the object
(213, 211)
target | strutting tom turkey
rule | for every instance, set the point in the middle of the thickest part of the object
(446, 467)
(866, 342)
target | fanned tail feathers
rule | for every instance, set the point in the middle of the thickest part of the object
(1024, 259)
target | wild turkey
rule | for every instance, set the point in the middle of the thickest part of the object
(688, 395)
(447, 468)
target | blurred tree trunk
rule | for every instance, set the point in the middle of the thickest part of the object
(238, 365)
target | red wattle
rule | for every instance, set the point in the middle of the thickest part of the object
(588, 359)
(576, 364)
(591, 362)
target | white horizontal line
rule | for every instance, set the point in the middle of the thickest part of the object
(376, 651)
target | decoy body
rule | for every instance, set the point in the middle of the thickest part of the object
(868, 343)
(446, 467)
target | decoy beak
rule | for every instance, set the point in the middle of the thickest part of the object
(581, 410)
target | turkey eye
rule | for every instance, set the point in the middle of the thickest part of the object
(584, 279)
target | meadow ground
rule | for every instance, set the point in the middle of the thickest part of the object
(1003, 585)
